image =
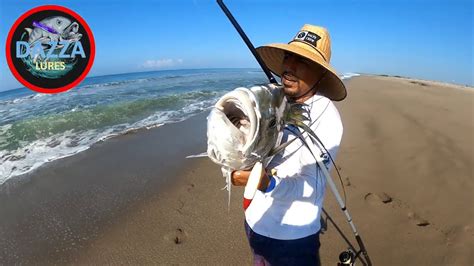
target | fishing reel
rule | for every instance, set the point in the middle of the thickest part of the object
(346, 258)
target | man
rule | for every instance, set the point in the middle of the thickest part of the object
(283, 220)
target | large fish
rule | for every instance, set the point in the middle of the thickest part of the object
(245, 127)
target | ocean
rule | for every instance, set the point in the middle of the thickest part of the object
(38, 128)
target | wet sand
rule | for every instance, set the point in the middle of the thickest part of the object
(406, 161)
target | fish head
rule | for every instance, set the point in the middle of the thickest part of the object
(58, 23)
(272, 107)
(230, 126)
(71, 33)
(244, 126)
(72, 28)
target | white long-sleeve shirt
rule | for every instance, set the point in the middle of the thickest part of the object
(292, 209)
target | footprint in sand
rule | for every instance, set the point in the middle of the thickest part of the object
(178, 236)
(417, 219)
(347, 182)
(190, 187)
(378, 198)
(383, 198)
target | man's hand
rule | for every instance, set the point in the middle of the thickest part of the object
(240, 178)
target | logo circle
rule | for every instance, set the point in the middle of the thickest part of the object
(50, 49)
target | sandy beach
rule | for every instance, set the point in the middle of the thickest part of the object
(406, 161)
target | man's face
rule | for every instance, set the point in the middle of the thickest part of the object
(298, 77)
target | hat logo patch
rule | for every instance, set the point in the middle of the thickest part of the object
(307, 37)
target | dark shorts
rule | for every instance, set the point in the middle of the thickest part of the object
(269, 251)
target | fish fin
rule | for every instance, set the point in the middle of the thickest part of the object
(29, 31)
(227, 173)
(307, 129)
(297, 112)
(280, 148)
(303, 140)
(295, 118)
(229, 189)
(200, 155)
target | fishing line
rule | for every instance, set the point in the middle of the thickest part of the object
(314, 86)
(334, 164)
(350, 254)
(300, 136)
(327, 152)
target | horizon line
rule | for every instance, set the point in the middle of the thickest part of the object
(210, 68)
(150, 71)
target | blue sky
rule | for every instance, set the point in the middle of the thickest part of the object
(426, 39)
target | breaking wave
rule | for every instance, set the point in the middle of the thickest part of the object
(40, 128)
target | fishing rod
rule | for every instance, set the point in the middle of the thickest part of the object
(349, 256)
(249, 44)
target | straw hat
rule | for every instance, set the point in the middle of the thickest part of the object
(314, 44)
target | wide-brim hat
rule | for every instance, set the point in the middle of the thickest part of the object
(314, 44)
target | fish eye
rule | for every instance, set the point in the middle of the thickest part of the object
(58, 22)
(272, 123)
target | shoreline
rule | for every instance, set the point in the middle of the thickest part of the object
(16, 180)
(120, 172)
(414, 81)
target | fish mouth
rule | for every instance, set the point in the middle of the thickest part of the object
(237, 116)
(71, 33)
(73, 27)
(238, 107)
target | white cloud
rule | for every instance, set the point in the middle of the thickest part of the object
(162, 63)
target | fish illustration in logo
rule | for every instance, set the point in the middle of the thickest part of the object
(55, 28)
(49, 49)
